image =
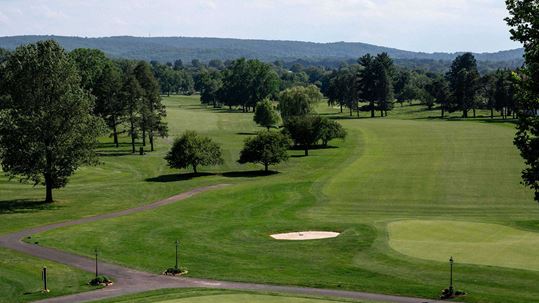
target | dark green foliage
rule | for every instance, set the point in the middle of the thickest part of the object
(109, 104)
(438, 90)
(247, 82)
(525, 29)
(304, 130)
(90, 64)
(267, 148)
(152, 110)
(210, 82)
(131, 95)
(298, 101)
(193, 150)
(343, 88)
(265, 114)
(329, 130)
(47, 129)
(375, 81)
(463, 80)
(100, 280)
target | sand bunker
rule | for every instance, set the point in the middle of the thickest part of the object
(306, 235)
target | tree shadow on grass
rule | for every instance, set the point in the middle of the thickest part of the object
(25, 206)
(178, 177)
(249, 174)
(246, 133)
(314, 147)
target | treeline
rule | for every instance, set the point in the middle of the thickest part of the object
(372, 83)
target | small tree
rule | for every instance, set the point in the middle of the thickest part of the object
(193, 150)
(265, 115)
(267, 148)
(304, 130)
(330, 130)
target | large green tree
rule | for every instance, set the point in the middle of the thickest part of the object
(463, 80)
(304, 130)
(194, 150)
(524, 23)
(131, 96)
(247, 82)
(109, 104)
(47, 129)
(267, 148)
(152, 110)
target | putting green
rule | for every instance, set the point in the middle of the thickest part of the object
(467, 242)
(246, 298)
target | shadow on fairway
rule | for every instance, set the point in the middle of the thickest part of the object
(249, 174)
(246, 134)
(25, 206)
(178, 177)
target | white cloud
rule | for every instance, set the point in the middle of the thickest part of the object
(435, 25)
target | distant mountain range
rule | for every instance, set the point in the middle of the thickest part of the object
(169, 49)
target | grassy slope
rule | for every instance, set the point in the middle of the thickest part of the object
(20, 278)
(388, 169)
(209, 295)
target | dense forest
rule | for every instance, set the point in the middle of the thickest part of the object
(330, 55)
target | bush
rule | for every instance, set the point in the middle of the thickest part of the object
(175, 271)
(100, 280)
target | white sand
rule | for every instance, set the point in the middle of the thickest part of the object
(306, 235)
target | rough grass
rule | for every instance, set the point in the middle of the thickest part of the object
(20, 278)
(407, 166)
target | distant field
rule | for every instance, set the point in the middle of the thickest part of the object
(409, 166)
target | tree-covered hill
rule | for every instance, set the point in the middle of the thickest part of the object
(165, 49)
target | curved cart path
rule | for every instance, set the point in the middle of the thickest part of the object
(129, 281)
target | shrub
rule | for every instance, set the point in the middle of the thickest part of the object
(100, 280)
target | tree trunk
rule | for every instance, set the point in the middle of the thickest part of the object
(266, 167)
(464, 113)
(306, 150)
(492, 113)
(144, 136)
(48, 196)
(151, 141)
(443, 111)
(133, 136)
(341, 108)
(350, 110)
(474, 112)
(372, 109)
(115, 131)
(195, 169)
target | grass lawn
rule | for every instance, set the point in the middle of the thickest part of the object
(409, 166)
(221, 296)
(474, 243)
(20, 278)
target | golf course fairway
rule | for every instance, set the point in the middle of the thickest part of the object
(466, 242)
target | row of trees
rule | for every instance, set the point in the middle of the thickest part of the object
(378, 83)
(54, 105)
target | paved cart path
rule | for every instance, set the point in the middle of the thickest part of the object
(129, 281)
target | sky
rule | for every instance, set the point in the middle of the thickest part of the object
(416, 25)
